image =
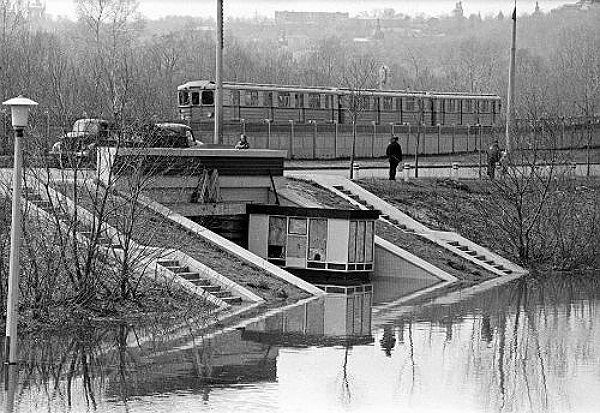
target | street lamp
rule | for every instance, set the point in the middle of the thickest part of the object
(19, 107)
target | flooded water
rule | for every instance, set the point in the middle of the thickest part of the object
(522, 347)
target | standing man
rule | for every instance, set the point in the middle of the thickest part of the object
(394, 154)
(493, 157)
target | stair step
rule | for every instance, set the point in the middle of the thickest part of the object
(178, 269)
(472, 253)
(454, 243)
(507, 271)
(481, 257)
(369, 206)
(232, 300)
(189, 275)
(500, 267)
(168, 263)
(222, 294)
(463, 248)
(339, 187)
(490, 262)
(384, 216)
(209, 288)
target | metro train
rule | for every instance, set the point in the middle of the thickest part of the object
(259, 102)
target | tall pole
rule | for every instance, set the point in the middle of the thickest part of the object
(218, 138)
(10, 350)
(510, 106)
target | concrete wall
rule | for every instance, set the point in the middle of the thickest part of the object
(400, 276)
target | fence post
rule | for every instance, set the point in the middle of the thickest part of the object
(314, 138)
(572, 139)
(268, 122)
(417, 144)
(562, 133)
(243, 125)
(439, 136)
(373, 139)
(480, 144)
(392, 128)
(407, 135)
(453, 136)
(291, 148)
(587, 150)
(468, 136)
(335, 138)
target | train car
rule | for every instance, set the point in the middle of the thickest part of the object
(257, 102)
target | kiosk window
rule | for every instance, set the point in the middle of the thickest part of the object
(317, 240)
(277, 237)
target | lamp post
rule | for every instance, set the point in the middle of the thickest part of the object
(19, 107)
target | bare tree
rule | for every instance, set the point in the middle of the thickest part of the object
(359, 78)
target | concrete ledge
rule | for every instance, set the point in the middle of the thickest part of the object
(204, 152)
(229, 246)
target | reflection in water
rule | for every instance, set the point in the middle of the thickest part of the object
(532, 346)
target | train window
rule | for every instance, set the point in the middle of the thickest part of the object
(387, 103)
(208, 97)
(251, 98)
(451, 105)
(399, 103)
(195, 98)
(409, 104)
(235, 97)
(467, 106)
(483, 106)
(283, 99)
(299, 100)
(314, 101)
(327, 101)
(184, 98)
(268, 99)
(365, 102)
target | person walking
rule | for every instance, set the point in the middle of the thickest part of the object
(493, 157)
(394, 154)
(243, 143)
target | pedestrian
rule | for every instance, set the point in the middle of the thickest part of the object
(243, 143)
(493, 157)
(394, 154)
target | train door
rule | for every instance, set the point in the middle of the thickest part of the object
(377, 105)
(340, 109)
(300, 107)
(434, 119)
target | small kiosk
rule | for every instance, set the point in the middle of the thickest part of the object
(335, 240)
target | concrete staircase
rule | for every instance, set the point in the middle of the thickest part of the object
(209, 286)
(453, 242)
(109, 242)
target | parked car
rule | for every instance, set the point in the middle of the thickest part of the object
(78, 147)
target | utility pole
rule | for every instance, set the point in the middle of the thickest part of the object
(510, 106)
(218, 138)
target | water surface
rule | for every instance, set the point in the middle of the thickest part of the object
(529, 346)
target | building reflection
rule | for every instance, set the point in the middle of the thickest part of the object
(125, 362)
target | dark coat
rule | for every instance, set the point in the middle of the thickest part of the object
(394, 152)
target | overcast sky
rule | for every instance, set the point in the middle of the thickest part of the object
(246, 8)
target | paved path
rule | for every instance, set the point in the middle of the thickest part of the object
(424, 172)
